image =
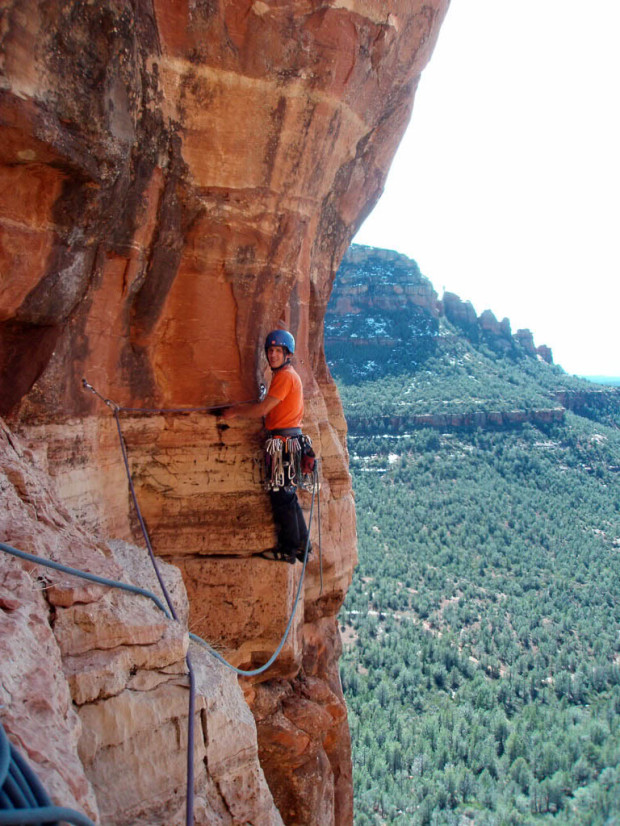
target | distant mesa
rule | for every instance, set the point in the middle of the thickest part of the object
(380, 297)
(371, 278)
(545, 353)
(446, 367)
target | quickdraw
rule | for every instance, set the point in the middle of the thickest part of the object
(289, 462)
(274, 463)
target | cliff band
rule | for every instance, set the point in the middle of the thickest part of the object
(177, 179)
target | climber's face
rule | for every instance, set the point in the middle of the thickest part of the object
(276, 356)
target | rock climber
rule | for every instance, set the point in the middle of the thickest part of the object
(288, 453)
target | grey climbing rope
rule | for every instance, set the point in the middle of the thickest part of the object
(23, 798)
(189, 809)
(100, 580)
(255, 671)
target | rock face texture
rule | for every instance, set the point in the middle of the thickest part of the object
(94, 688)
(379, 279)
(177, 179)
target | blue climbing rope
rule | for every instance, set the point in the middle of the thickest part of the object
(112, 583)
(116, 410)
(23, 799)
(241, 672)
(100, 580)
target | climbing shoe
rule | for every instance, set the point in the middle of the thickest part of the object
(301, 551)
(280, 555)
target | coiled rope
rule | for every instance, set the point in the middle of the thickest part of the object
(23, 799)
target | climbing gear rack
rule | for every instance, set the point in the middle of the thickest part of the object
(289, 463)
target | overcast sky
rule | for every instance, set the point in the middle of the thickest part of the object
(506, 187)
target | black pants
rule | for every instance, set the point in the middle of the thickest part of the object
(289, 519)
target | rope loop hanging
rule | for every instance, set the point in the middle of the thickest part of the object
(304, 447)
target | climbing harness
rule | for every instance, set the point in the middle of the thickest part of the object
(289, 461)
(274, 464)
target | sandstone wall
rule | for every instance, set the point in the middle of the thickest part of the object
(94, 690)
(177, 179)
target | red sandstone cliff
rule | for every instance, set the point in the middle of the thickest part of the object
(178, 178)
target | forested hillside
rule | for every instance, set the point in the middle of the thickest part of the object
(482, 629)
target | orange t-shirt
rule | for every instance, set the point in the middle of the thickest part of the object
(286, 386)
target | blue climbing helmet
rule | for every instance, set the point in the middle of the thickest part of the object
(280, 338)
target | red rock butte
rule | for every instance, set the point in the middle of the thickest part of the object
(177, 179)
